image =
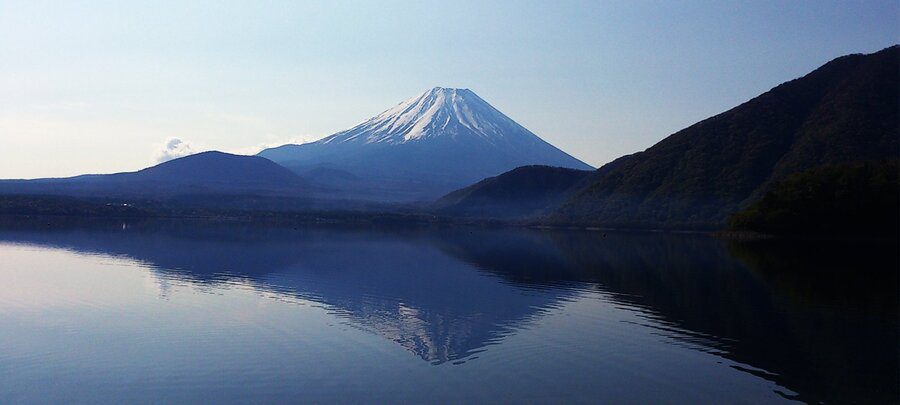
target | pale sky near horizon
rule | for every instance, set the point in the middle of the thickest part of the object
(100, 87)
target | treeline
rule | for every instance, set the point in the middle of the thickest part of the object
(853, 199)
(241, 207)
(38, 205)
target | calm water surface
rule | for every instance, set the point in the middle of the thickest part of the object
(167, 312)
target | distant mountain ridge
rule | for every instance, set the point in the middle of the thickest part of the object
(845, 111)
(203, 173)
(428, 145)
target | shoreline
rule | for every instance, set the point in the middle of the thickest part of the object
(395, 220)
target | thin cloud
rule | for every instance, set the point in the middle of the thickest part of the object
(296, 140)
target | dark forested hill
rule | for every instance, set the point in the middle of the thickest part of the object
(845, 111)
(850, 199)
(524, 191)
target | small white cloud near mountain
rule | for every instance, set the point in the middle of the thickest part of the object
(174, 148)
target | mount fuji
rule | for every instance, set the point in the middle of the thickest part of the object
(428, 145)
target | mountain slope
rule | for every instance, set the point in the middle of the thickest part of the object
(203, 173)
(217, 167)
(426, 146)
(845, 111)
(521, 192)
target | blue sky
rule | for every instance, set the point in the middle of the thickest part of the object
(95, 87)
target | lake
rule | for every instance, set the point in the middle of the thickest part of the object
(166, 311)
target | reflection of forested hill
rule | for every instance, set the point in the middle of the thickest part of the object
(821, 317)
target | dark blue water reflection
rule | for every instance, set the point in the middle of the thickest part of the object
(165, 311)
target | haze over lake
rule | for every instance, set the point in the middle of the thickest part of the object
(141, 310)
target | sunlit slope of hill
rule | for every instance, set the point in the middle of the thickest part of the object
(849, 199)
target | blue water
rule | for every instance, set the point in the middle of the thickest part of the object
(217, 312)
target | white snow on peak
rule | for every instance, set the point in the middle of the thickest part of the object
(436, 112)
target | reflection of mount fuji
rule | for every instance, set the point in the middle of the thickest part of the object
(395, 284)
(819, 320)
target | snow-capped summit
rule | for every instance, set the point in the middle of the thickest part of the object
(436, 112)
(432, 143)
